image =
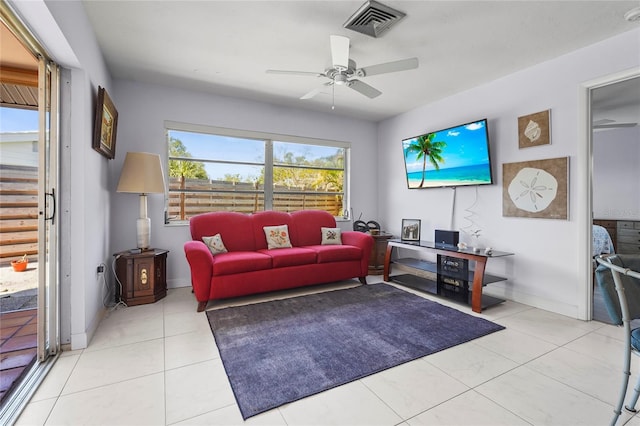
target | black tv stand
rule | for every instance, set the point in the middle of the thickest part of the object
(454, 277)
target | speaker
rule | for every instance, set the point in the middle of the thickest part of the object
(447, 238)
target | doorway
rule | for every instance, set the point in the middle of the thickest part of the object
(28, 230)
(613, 176)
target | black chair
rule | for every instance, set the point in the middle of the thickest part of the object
(619, 281)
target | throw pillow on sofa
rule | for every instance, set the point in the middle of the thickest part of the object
(331, 236)
(215, 244)
(277, 236)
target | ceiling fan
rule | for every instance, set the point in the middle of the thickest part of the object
(344, 70)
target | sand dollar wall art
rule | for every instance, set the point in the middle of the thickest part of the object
(538, 188)
(534, 129)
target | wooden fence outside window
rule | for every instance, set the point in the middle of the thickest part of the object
(18, 212)
(189, 197)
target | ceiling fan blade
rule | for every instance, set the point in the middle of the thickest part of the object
(603, 121)
(316, 91)
(303, 73)
(340, 51)
(614, 125)
(401, 65)
(364, 88)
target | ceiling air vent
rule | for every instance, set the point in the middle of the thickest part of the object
(373, 19)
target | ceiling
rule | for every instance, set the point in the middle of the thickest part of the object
(225, 47)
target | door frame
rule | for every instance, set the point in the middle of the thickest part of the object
(585, 174)
(48, 330)
(48, 102)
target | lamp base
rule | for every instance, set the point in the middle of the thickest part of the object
(143, 232)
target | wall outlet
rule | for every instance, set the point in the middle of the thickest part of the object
(100, 269)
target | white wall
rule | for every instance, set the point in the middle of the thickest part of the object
(142, 110)
(616, 174)
(545, 270)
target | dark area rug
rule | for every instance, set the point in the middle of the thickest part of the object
(284, 350)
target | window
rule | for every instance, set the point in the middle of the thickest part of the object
(214, 169)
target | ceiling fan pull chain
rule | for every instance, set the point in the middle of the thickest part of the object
(333, 97)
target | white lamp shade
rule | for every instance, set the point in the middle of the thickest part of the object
(142, 174)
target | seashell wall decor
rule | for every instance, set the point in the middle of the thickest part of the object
(534, 129)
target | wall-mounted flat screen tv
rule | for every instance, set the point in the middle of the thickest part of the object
(456, 156)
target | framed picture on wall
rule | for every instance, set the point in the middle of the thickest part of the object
(106, 125)
(534, 129)
(537, 188)
(410, 230)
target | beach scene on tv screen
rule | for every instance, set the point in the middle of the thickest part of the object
(452, 157)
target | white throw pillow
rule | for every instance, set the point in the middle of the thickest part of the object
(277, 236)
(215, 244)
(331, 236)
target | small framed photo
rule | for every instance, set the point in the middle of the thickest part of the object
(106, 125)
(410, 230)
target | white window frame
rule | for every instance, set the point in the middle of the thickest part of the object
(268, 138)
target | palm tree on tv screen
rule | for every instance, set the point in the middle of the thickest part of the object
(425, 147)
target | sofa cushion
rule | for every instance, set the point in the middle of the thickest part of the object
(277, 236)
(337, 253)
(330, 236)
(270, 218)
(235, 229)
(215, 244)
(240, 261)
(293, 256)
(307, 224)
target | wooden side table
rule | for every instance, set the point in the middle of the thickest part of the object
(376, 261)
(143, 276)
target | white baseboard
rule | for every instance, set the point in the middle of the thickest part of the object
(81, 340)
(178, 282)
(509, 293)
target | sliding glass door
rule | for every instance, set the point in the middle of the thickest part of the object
(48, 324)
(28, 222)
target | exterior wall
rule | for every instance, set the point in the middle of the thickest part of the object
(19, 149)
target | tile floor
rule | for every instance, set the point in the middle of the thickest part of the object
(158, 364)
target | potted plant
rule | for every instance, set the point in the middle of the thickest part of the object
(21, 264)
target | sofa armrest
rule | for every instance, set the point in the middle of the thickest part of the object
(362, 240)
(201, 264)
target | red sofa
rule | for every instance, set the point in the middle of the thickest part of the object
(249, 267)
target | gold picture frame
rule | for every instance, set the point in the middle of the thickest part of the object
(534, 129)
(106, 125)
(536, 189)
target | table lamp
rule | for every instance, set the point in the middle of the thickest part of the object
(142, 174)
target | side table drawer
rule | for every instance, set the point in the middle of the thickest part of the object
(629, 236)
(144, 277)
(626, 224)
(626, 248)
